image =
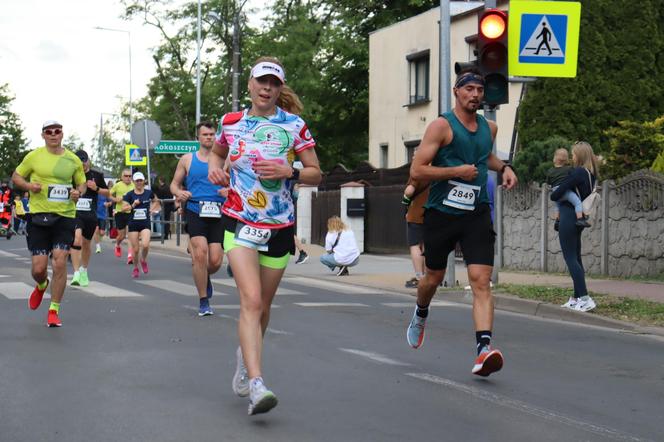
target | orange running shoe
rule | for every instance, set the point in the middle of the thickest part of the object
(53, 320)
(36, 296)
(488, 361)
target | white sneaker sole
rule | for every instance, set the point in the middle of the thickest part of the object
(264, 404)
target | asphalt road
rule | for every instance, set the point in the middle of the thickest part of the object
(133, 362)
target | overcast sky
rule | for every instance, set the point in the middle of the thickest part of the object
(59, 67)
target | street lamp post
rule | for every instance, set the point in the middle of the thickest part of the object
(130, 88)
(101, 137)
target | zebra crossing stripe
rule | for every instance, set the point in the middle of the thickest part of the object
(280, 291)
(106, 291)
(330, 304)
(17, 290)
(175, 287)
(9, 255)
(331, 286)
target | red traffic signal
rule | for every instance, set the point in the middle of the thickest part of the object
(492, 55)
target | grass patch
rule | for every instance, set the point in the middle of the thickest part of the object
(625, 309)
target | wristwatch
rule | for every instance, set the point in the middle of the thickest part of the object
(296, 174)
(502, 169)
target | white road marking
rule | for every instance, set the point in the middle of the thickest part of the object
(17, 290)
(5, 276)
(412, 304)
(332, 286)
(524, 407)
(280, 291)
(175, 287)
(224, 307)
(376, 357)
(9, 255)
(106, 291)
(330, 304)
(269, 329)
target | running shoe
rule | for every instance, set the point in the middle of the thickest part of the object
(241, 377)
(53, 320)
(118, 251)
(343, 271)
(76, 280)
(98, 248)
(302, 258)
(134, 272)
(415, 332)
(84, 280)
(36, 296)
(487, 362)
(412, 283)
(144, 267)
(130, 260)
(571, 303)
(585, 304)
(205, 310)
(209, 290)
(261, 400)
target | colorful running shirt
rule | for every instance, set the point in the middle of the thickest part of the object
(119, 190)
(55, 173)
(142, 211)
(258, 202)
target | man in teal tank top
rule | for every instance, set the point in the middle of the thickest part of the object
(455, 155)
(201, 201)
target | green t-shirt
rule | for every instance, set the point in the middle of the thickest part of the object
(55, 173)
(119, 190)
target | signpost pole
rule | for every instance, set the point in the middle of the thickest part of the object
(147, 149)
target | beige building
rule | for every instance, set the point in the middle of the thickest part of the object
(403, 82)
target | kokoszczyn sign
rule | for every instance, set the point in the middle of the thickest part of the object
(177, 147)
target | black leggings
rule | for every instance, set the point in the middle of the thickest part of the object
(570, 243)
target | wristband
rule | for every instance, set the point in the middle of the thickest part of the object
(296, 174)
(405, 200)
(502, 169)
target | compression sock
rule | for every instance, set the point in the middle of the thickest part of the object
(42, 285)
(55, 306)
(483, 338)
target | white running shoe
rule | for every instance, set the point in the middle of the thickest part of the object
(98, 248)
(585, 304)
(261, 400)
(571, 303)
(240, 378)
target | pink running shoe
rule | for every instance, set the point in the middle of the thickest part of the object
(144, 267)
(118, 251)
(134, 273)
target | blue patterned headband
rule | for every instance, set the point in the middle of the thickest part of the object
(469, 77)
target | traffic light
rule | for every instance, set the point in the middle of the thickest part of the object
(492, 55)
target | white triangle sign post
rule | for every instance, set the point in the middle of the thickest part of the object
(542, 42)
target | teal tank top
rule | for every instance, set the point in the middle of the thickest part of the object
(457, 196)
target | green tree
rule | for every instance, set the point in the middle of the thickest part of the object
(620, 67)
(12, 142)
(633, 146)
(532, 163)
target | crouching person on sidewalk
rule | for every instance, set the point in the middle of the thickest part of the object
(340, 246)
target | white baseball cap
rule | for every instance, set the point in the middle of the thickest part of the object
(268, 68)
(51, 123)
(138, 176)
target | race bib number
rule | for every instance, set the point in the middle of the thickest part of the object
(2, 207)
(252, 237)
(84, 204)
(461, 195)
(140, 214)
(210, 209)
(58, 193)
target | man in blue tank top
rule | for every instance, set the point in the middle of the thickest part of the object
(455, 155)
(201, 201)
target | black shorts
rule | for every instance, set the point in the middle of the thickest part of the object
(101, 222)
(87, 224)
(474, 232)
(139, 226)
(281, 242)
(211, 228)
(415, 234)
(121, 220)
(43, 239)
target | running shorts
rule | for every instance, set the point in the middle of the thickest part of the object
(415, 234)
(139, 226)
(280, 247)
(43, 239)
(211, 228)
(87, 224)
(121, 220)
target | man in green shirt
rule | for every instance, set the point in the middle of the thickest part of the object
(48, 173)
(119, 190)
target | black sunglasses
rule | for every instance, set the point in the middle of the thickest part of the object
(52, 131)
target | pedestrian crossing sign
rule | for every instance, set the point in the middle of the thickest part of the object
(543, 38)
(135, 156)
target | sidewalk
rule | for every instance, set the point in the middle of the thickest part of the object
(390, 272)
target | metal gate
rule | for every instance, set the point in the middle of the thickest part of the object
(385, 220)
(323, 205)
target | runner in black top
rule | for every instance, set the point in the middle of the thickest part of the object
(140, 202)
(86, 221)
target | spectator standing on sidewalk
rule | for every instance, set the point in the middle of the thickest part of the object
(455, 155)
(414, 197)
(340, 247)
(581, 179)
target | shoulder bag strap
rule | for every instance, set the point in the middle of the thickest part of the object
(336, 242)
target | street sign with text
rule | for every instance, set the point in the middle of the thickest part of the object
(177, 147)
